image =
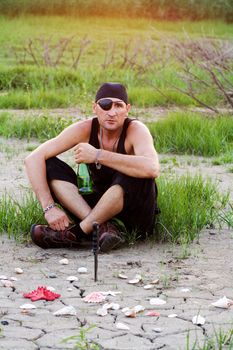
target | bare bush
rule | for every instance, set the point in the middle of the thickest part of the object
(44, 52)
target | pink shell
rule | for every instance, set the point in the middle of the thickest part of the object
(153, 313)
(94, 297)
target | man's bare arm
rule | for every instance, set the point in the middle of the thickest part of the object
(36, 168)
(143, 163)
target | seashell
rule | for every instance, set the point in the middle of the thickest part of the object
(122, 326)
(64, 261)
(148, 286)
(3, 277)
(72, 278)
(7, 283)
(130, 313)
(66, 311)
(122, 276)
(18, 270)
(155, 281)
(157, 329)
(125, 309)
(153, 313)
(198, 320)
(69, 289)
(102, 311)
(52, 275)
(112, 306)
(138, 308)
(82, 270)
(110, 292)
(52, 289)
(172, 315)
(185, 290)
(94, 297)
(223, 303)
(134, 281)
(27, 306)
(115, 306)
(157, 301)
(13, 279)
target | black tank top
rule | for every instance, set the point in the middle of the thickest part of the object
(102, 178)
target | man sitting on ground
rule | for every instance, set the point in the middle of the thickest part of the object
(123, 164)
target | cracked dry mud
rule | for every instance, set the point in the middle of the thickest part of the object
(207, 273)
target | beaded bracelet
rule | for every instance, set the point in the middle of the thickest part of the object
(50, 206)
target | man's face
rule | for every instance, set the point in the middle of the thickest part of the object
(111, 112)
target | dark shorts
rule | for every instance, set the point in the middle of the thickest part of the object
(140, 196)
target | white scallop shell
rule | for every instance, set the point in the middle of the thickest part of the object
(72, 278)
(138, 308)
(122, 276)
(157, 301)
(185, 290)
(82, 270)
(155, 281)
(130, 313)
(102, 311)
(7, 283)
(123, 326)
(134, 281)
(18, 270)
(125, 309)
(223, 303)
(27, 306)
(112, 306)
(198, 320)
(64, 261)
(148, 286)
(66, 311)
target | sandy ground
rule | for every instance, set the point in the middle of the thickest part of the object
(188, 286)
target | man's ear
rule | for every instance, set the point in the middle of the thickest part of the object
(94, 107)
(128, 106)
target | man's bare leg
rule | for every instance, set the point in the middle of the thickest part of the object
(109, 205)
(69, 197)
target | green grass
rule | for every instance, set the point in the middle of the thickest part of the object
(221, 340)
(42, 128)
(187, 205)
(17, 216)
(25, 85)
(189, 133)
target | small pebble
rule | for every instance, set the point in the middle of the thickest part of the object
(69, 289)
(72, 278)
(3, 277)
(4, 323)
(52, 289)
(82, 270)
(52, 275)
(18, 270)
(157, 329)
(64, 261)
(7, 283)
(27, 306)
(13, 279)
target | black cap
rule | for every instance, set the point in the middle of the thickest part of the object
(112, 90)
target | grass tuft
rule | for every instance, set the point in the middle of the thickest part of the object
(191, 133)
(16, 217)
(188, 204)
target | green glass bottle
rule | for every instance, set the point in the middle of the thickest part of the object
(84, 179)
